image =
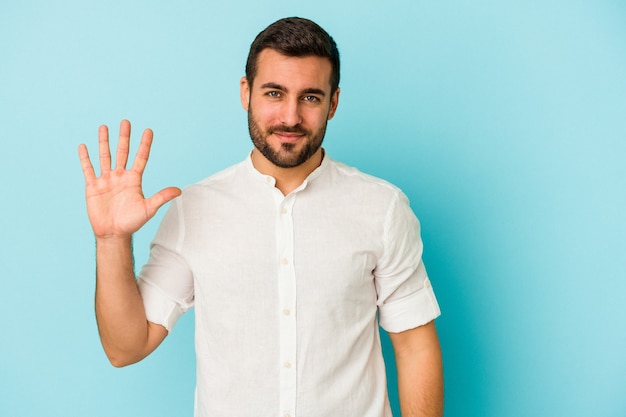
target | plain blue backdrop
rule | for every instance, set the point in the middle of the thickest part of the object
(504, 123)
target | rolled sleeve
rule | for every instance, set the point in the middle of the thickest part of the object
(166, 281)
(405, 296)
(408, 312)
(160, 308)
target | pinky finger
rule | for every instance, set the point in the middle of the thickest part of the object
(85, 163)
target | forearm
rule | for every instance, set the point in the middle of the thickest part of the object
(420, 373)
(119, 308)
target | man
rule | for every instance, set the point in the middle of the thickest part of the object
(289, 258)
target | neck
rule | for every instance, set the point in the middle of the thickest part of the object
(287, 179)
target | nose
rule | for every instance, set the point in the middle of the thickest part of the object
(290, 113)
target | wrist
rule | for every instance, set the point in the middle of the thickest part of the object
(114, 240)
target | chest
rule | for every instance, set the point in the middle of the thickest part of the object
(322, 254)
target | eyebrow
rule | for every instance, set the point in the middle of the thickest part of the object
(275, 86)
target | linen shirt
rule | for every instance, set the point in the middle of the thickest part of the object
(289, 290)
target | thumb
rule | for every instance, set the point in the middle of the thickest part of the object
(159, 199)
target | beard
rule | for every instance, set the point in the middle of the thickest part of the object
(287, 156)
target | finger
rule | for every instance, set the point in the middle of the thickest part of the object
(85, 163)
(143, 153)
(103, 147)
(123, 145)
(159, 199)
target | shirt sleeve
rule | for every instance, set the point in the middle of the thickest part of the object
(405, 296)
(166, 281)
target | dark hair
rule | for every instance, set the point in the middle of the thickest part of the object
(295, 37)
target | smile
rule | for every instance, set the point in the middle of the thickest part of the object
(288, 136)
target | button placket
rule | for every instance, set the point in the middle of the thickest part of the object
(287, 303)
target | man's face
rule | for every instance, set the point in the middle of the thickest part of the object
(288, 106)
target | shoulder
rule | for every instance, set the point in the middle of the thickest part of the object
(359, 181)
(232, 173)
(226, 179)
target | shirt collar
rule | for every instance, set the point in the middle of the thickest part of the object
(268, 179)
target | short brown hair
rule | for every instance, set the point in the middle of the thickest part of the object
(295, 37)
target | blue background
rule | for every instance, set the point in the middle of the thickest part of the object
(504, 123)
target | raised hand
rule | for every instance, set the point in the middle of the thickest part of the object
(115, 202)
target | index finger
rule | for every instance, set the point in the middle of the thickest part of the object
(143, 153)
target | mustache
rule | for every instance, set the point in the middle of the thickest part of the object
(287, 129)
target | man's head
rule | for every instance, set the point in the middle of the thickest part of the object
(295, 37)
(290, 91)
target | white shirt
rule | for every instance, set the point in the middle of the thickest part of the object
(286, 289)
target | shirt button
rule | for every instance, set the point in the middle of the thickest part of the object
(287, 414)
(284, 261)
(287, 365)
(286, 312)
(427, 284)
(283, 210)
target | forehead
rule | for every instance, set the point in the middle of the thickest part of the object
(296, 73)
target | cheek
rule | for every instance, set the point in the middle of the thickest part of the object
(264, 114)
(317, 119)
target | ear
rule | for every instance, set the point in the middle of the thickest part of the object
(334, 102)
(244, 93)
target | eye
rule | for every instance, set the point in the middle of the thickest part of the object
(311, 99)
(273, 94)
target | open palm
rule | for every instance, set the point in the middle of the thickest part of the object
(115, 201)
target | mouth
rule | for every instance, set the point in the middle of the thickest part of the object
(288, 134)
(289, 137)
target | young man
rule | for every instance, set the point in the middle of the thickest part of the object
(287, 257)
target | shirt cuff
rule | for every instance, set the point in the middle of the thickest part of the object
(160, 309)
(409, 312)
